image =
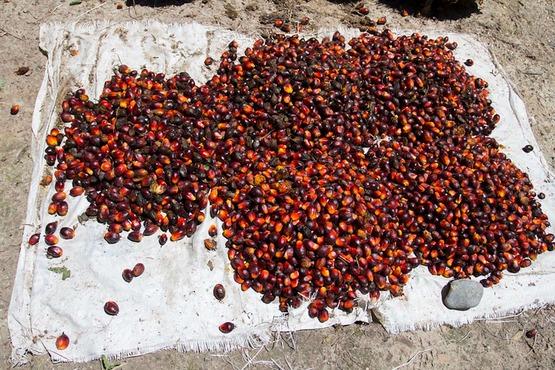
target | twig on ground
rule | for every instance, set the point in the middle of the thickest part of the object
(10, 34)
(248, 358)
(463, 338)
(412, 358)
(226, 359)
(494, 335)
(293, 341)
(55, 8)
(500, 319)
(288, 364)
(277, 365)
(90, 10)
(540, 308)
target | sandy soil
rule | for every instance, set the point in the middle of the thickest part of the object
(520, 34)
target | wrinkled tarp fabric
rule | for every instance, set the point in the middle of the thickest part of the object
(171, 305)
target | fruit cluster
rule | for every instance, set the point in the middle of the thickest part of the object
(335, 167)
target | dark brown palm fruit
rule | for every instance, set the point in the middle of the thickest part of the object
(527, 148)
(219, 292)
(531, 333)
(67, 233)
(127, 275)
(54, 252)
(111, 308)
(50, 228)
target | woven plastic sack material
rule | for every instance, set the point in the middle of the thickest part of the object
(171, 305)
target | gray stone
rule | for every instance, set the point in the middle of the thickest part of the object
(463, 294)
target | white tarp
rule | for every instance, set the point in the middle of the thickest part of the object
(171, 305)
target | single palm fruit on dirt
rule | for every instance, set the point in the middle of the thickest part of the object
(531, 333)
(111, 308)
(22, 70)
(14, 109)
(162, 239)
(138, 269)
(62, 342)
(226, 327)
(210, 244)
(219, 292)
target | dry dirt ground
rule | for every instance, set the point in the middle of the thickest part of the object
(520, 33)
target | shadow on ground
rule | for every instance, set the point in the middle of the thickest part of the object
(156, 3)
(438, 9)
